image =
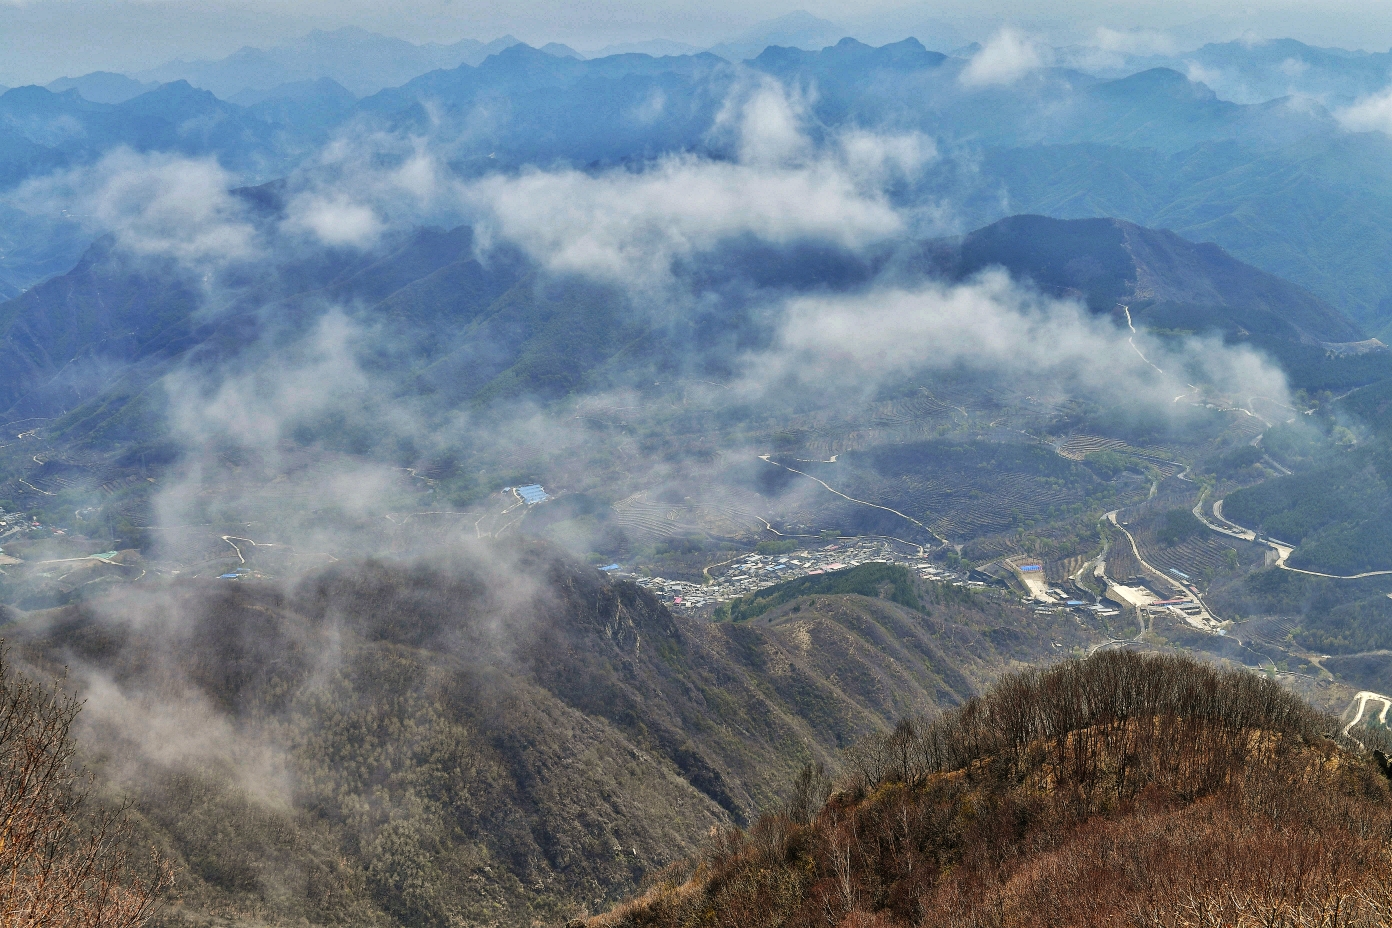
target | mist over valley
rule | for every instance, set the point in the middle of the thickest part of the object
(784, 480)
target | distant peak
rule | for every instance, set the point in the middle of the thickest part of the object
(1166, 80)
(343, 32)
(798, 18)
(557, 50)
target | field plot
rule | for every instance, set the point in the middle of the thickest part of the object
(654, 518)
(958, 490)
(1057, 570)
(1121, 561)
(1173, 541)
(912, 418)
(1078, 447)
(1248, 427)
(734, 516)
(1000, 502)
(1192, 558)
(1272, 632)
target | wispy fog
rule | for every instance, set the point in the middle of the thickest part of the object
(781, 187)
(154, 205)
(314, 377)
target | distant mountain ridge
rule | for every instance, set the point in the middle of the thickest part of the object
(362, 61)
(798, 29)
(1254, 72)
(42, 131)
(102, 87)
(93, 340)
(1166, 281)
(1281, 184)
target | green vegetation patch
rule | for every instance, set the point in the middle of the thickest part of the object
(776, 547)
(886, 581)
(1178, 526)
(1291, 508)
(1108, 464)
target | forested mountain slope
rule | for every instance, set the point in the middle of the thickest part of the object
(1166, 281)
(496, 739)
(462, 326)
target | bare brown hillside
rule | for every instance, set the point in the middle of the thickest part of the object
(1120, 790)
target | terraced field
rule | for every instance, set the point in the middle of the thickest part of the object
(1190, 557)
(1121, 560)
(735, 515)
(1057, 570)
(654, 518)
(1078, 447)
(1275, 632)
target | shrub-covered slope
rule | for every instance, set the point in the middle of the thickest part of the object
(488, 740)
(1120, 790)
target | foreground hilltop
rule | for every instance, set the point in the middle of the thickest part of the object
(1123, 789)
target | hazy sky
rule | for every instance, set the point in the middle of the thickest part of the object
(44, 39)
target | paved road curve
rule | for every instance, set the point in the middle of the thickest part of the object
(1283, 551)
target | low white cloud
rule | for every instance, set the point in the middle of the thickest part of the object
(175, 727)
(1370, 114)
(154, 205)
(880, 158)
(767, 124)
(1294, 67)
(651, 109)
(1199, 74)
(1135, 41)
(362, 184)
(256, 407)
(849, 344)
(335, 220)
(1007, 57)
(630, 225)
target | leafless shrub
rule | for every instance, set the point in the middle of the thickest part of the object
(809, 794)
(1121, 790)
(62, 868)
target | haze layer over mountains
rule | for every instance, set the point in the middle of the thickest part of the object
(466, 478)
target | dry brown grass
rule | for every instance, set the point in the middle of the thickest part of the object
(1123, 790)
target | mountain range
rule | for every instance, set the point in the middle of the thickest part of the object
(97, 337)
(362, 61)
(1163, 280)
(1155, 148)
(489, 485)
(1052, 822)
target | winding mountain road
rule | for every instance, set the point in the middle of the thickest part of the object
(1283, 551)
(1207, 618)
(1362, 699)
(768, 459)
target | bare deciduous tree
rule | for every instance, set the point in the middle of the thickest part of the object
(62, 866)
